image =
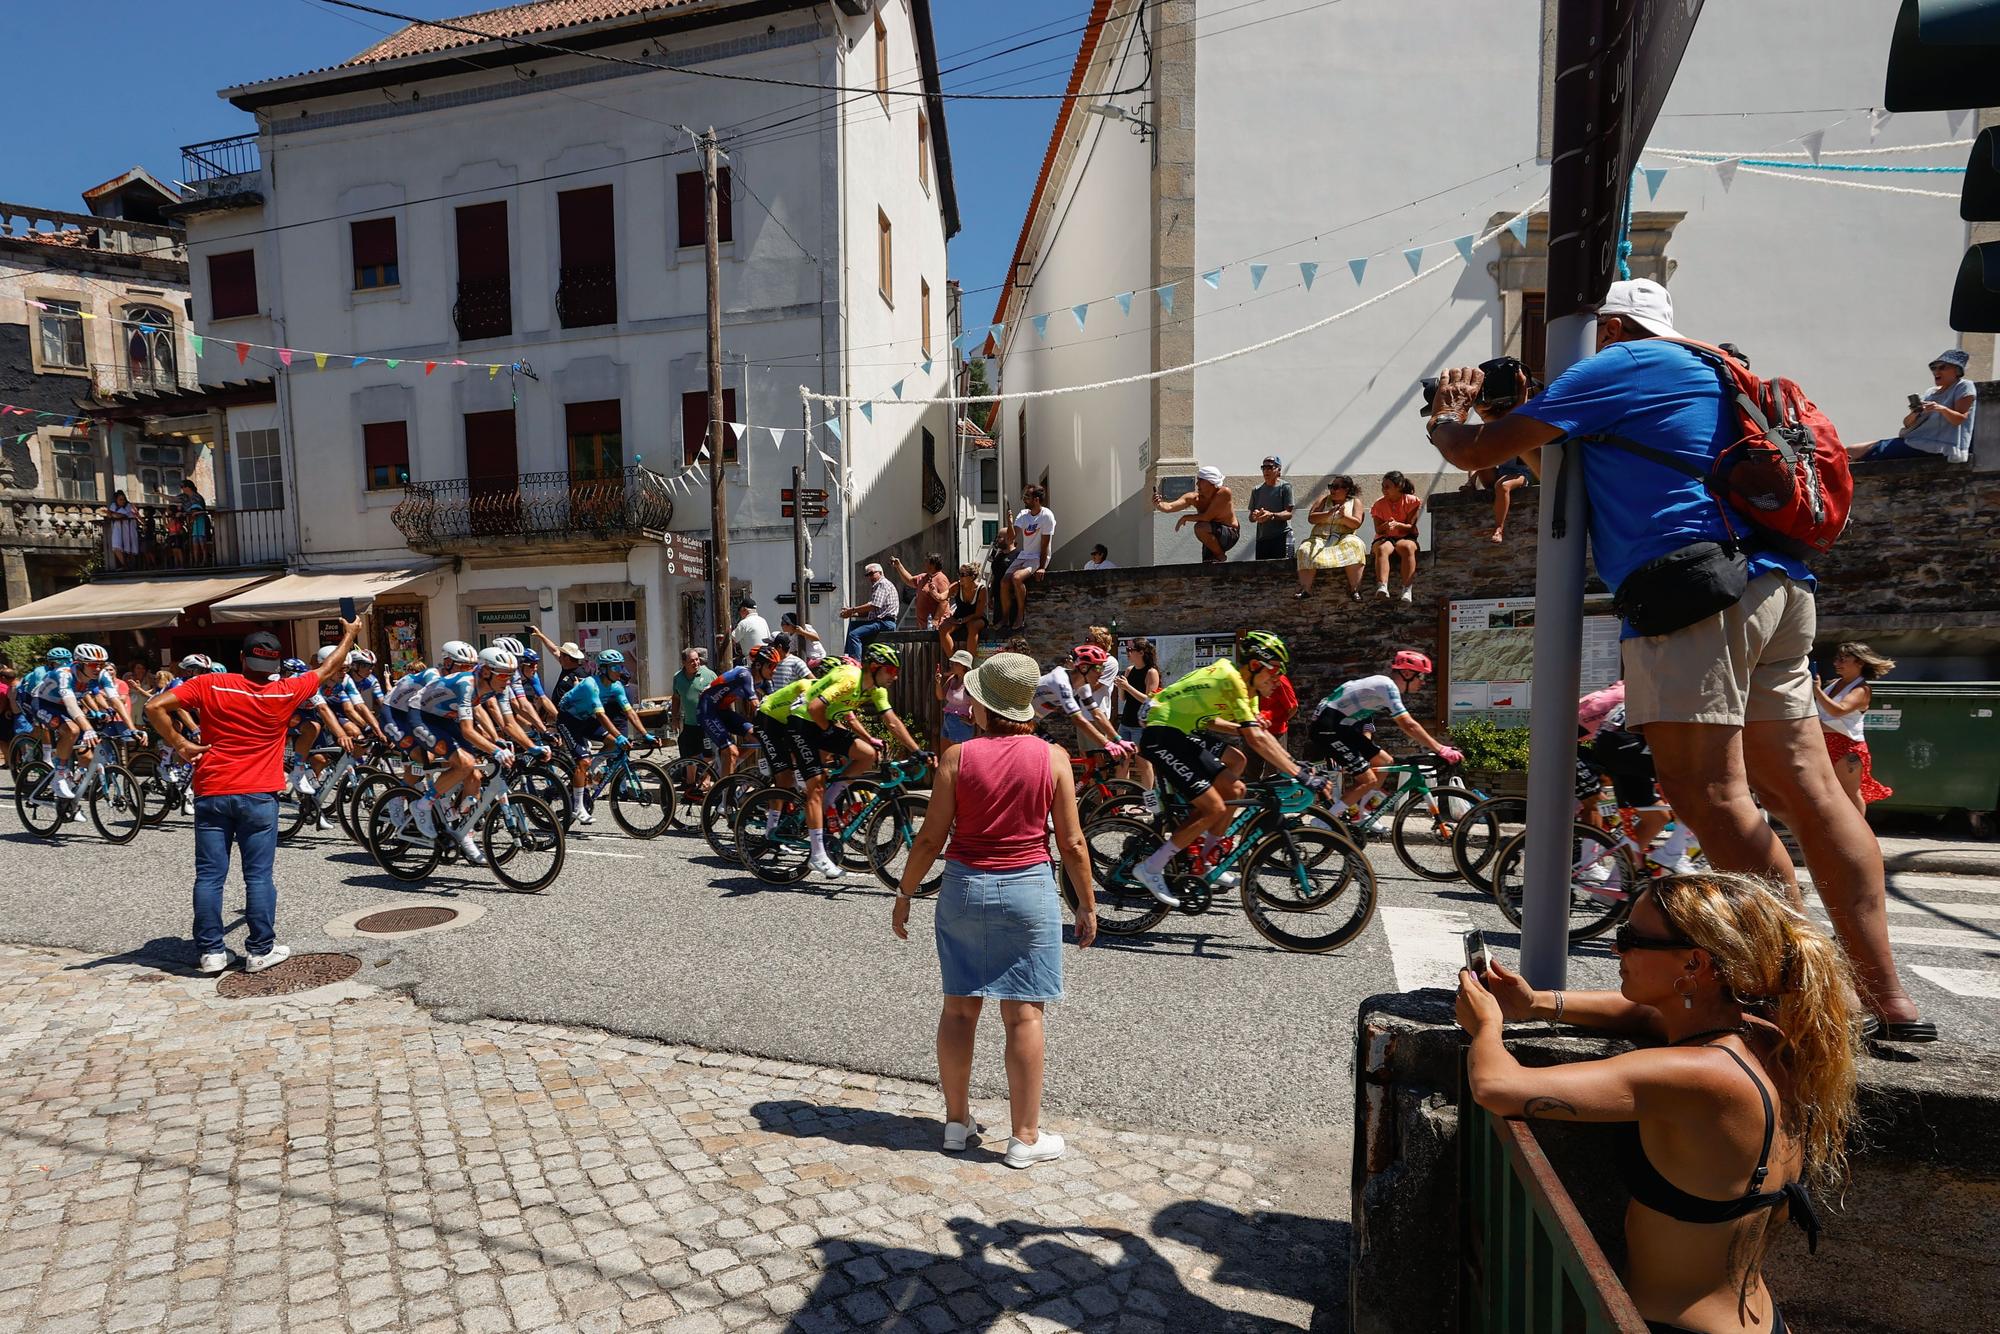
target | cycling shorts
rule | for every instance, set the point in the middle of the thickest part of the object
(1188, 765)
(1344, 742)
(583, 733)
(721, 726)
(1626, 757)
(783, 749)
(434, 731)
(397, 723)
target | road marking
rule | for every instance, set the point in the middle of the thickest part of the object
(1937, 937)
(1972, 912)
(1426, 945)
(1962, 981)
(1908, 883)
(622, 856)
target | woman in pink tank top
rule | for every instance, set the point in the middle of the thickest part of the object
(999, 918)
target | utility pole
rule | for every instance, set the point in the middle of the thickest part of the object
(718, 546)
(801, 585)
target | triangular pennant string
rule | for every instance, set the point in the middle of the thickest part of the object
(1358, 267)
(1257, 272)
(1125, 302)
(1213, 278)
(1464, 246)
(1415, 254)
(1308, 270)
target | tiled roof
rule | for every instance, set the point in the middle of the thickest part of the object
(527, 20)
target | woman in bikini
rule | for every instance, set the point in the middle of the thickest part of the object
(1742, 1098)
(1842, 702)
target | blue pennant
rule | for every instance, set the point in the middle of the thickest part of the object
(927, 365)
(833, 427)
(1653, 175)
(1519, 227)
(1166, 294)
(897, 389)
(1213, 278)
(868, 411)
(1416, 257)
(1081, 312)
(1358, 267)
(1464, 244)
(359, 361)
(1125, 302)
(1257, 272)
(1041, 323)
(1308, 270)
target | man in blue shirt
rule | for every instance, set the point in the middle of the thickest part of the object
(1725, 703)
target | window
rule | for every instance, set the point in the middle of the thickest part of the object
(693, 228)
(385, 453)
(989, 481)
(989, 531)
(76, 467)
(615, 610)
(587, 291)
(924, 297)
(485, 307)
(62, 335)
(924, 151)
(161, 467)
(596, 442)
(260, 472)
(374, 241)
(882, 61)
(149, 347)
(885, 257)
(1535, 332)
(694, 425)
(232, 284)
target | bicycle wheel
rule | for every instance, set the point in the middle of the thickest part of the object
(642, 799)
(719, 809)
(394, 840)
(114, 806)
(1423, 829)
(362, 798)
(690, 777)
(846, 823)
(1481, 833)
(293, 808)
(157, 798)
(1602, 881)
(1109, 797)
(21, 752)
(892, 829)
(1302, 867)
(1117, 845)
(771, 838)
(35, 800)
(549, 785)
(523, 842)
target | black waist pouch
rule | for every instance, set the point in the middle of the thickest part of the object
(1674, 591)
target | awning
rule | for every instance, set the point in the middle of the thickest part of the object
(318, 593)
(121, 604)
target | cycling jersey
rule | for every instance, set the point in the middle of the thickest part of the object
(736, 683)
(1055, 694)
(842, 692)
(340, 691)
(56, 691)
(720, 723)
(1204, 695)
(531, 685)
(104, 683)
(1365, 699)
(501, 698)
(367, 691)
(406, 692)
(448, 696)
(779, 704)
(590, 694)
(309, 707)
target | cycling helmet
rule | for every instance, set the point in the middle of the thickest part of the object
(293, 667)
(361, 657)
(1089, 655)
(459, 653)
(1409, 660)
(92, 653)
(324, 652)
(529, 657)
(58, 655)
(216, 668)
(826, 664)
(1263, 646)
(882, 655)
(767, 653)
(195, 662)
(610, 657)
(511, 644)
(497, 659)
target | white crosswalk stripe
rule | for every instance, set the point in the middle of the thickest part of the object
(1427, 945)
(1984, 983)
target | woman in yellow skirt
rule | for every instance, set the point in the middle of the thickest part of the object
(1335, 543)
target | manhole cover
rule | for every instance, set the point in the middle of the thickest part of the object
(301, 972)
(404, 919)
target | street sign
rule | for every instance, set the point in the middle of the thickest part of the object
(687, 557)
(821, 586)
(811, 497)
(792, 599)
(809, 510)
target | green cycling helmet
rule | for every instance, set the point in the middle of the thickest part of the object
(1263, 646)
(882, 655)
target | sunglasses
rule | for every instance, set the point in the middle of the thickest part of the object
(1628, 937)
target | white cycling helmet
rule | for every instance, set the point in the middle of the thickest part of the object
(361, 657)
(195, 662)
(325, 652)
(497, 659)
(459, 652)
(91, 653)
(511, 644)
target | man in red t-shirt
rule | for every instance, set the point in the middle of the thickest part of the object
(238, 771)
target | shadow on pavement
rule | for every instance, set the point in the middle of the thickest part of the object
(173, 955)
(858, 1127)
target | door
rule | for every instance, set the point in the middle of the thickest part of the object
(596, 464)
(492, 473)
(485, 306)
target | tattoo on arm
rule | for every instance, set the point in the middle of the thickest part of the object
(1547, 1107)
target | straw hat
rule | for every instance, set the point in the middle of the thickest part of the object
(1005, 685)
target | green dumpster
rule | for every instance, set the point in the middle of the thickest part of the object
(1937, 744)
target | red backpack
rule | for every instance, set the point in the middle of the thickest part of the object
(1785, 472)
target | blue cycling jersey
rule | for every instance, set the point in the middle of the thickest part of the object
(448, 696)
(736, 683)
(368, 690)
(592, 693)
(340, 690)
(531, 683)
(406, 692)
(105, 682)
(56, 688)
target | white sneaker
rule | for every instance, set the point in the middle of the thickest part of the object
(257, 963)
(470, 850)
(1381, 590)
(215, 963)
(1597, 873)
(1408, 595)
(187, 804)
(1228, 880)
(65, 788)
(824, 867)
(957, 1134)
(319, 821)
(584, 815)
(1155, 883)
(306, 785)
(1048, 1147)
(420, 816)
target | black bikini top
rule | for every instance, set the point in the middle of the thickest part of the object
(1662, 1196)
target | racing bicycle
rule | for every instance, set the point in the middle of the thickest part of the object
(520, 836)
(107, 787)
(871, 825)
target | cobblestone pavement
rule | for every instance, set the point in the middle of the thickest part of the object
(341, 1160)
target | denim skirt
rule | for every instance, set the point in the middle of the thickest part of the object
(999, 933)
(957, 729)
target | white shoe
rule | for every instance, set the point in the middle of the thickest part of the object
(187, 804)
(470, 850)
(824, 867)
(215, 963)
(584, 815)
(257, 963)
(1228, 880)
(1048, 1147)
(1155, 883)
(306, 786)
(1408, 595)
(420, 816)
(957, 1134)
(319, 821)
(1597, 873)
(1681, 865)
(1381, 590)
(65, 788)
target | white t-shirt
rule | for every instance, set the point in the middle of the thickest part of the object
(814, 650)
(751, 631)
(1036, 530)
(1100, 565)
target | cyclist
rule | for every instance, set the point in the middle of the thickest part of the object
(312, 719)
(541, 709)
(1057, 691)
(345, 696)
(727, 700)
(62, 714)
(399, 707)
(1221, 697)
(1342, 727)
(1607, 749)
(27, 713)
(586, 716)
(448, 717)
(501, 711)
(99, 684)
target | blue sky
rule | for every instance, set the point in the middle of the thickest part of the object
(144, 84)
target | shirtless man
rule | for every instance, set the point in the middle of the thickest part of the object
(1211, 509)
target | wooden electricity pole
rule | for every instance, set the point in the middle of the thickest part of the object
(718, 546)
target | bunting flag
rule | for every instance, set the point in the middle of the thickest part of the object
(1415, 255)
(1308, 270)
(200, 343)
(777, 436)
(1041, 323)
(357, 363)
(1653, 175)
(826, 458)
(455, 362)
(1519, 227)
(868, 411)
(430, 366)
(1876, 120)
(832, 425)
(739, 428)
(1464, 246)
(1358, 267)
(242, 353)
(1081, 312)
(1166, 294)
(1213, 278)
(897, 389)
(491, 371)
(285, 356)
(319, 360)
(391, 362)
(1725, 172)
(927, 365)
(1257, 272)
(1813, 143)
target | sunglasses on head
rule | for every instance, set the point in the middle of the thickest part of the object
(1629, 937)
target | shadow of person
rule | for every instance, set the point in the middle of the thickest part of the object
(858, 1126)
(1287, 1255)
(175, 956)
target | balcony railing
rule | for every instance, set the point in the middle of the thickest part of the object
(220, 165)
(587, 295)
(485, 308)
(125, 378)
(435, 516)
(161, 537)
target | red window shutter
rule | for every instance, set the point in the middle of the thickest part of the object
(374, 242)
(601, 418)
(385, 449)
(482, 242)
(584, 219)
(694, 425)
(692, 225)
(232, 284)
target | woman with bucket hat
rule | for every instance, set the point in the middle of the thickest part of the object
(999, 920)
(1938, 424)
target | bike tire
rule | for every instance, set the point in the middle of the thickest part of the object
(157, 799)
(1480, 836)
(846, 823)
(1422, 838)
(1297, 863)
(1110, 796)
(23, 751)
(397, 846)
(292, 812)
(366, 794)
(771, 837)
(1116, 845)
(642, 799)
(690, 777)
(1593, 908)
(41, 811)
(548, 784)
(720, 808)
(524, 843)
(114, 806)
(892, 832)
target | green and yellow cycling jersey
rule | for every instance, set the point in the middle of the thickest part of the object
(778, 705)
(1202, 696)
(840, 689)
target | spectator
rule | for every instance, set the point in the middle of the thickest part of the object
(1508, 478)
(1335, 543)
(238, 771)
(123, 522)
(1725, 702)
(1100, 559)
(569, 661)
(1271, 511)
(999, 919)
(1211, 509)
(998, 561)
(1137, 684)
(805, 640)
(694, 677)
(1395, 517)
(751, 629)
(933, 589)
(875, 616)
(196, 525)
(9, 706)
(1034, 531)
(957, 703)
(1842, 702)
(1939, 424)
(967, 613)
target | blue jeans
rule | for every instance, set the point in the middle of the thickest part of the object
(861, 632)
(1895, 447)
(251, 822)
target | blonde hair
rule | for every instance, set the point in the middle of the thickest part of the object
(160, 679)
(1101, 637)
(1873, 664)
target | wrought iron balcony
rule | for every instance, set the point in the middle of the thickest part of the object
(587, 295)
(485, 308)
(623, 506)
(158, 375)
(157, 537)
(221, 173)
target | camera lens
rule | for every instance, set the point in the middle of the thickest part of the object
(1429, 386)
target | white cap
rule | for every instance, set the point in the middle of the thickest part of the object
(1209, 473)
(1642, 301)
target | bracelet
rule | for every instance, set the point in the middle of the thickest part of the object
(1558, 1018)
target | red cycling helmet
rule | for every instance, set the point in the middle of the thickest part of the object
(1409, 660)
(1089, 655)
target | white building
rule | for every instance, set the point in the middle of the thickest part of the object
(1359, 130)
(533, 201)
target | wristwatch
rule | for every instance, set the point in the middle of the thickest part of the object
(1455, 418)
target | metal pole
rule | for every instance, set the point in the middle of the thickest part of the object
(1558, 675)
(718, 549)
(800, 589)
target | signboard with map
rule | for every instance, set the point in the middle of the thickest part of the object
(1491, 658)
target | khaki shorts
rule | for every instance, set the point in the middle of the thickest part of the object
(1746, 664)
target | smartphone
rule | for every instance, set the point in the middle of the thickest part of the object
(1477, 957)
(347, 609)
(1916, 404)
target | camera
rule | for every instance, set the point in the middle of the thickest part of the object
(1508, 384)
